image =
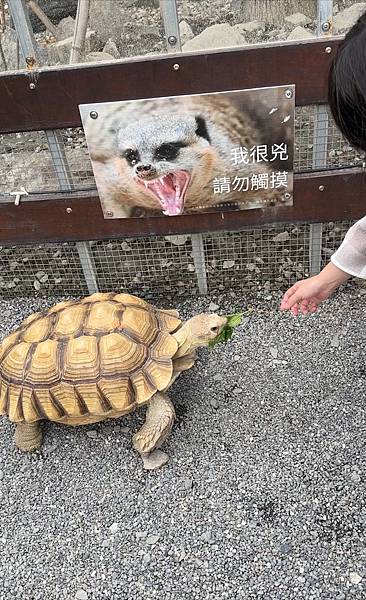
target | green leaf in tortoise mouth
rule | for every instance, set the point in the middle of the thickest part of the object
(225, 335)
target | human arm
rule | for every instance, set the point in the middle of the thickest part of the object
(306, 294)
(349, 260)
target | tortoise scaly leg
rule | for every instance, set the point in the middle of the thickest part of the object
(159, 421)
(28, 436)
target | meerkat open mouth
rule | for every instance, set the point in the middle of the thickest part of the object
(170, 190)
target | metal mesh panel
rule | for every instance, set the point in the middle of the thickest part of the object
(78, 158)
(41, 270)
(152, 267)
(338, 151)
(25, 160)
(273, 257)
(159, 268)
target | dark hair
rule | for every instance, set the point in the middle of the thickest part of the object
(347, 85)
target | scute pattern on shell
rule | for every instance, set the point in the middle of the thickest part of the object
(104, 354)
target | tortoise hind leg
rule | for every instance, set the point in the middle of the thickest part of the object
(159, 421)
(28, 436)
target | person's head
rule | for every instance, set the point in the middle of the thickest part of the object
(347, 85)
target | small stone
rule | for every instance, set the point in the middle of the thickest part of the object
(286, 548)
(355, 578)
(274, 351)
(92, 434)
(185, 31)
(65, 28)
(355, 477)
(250, 27)
(152, 539)
(146, 559)
(177, 240)
(182, 556)
(335, 341)
(207, 537)
(188, 483)
(126, 247)
(141, 535)
(36, 285)
(1, 475)
(213, 307)
(81, 595)
(114, 528)
(42, 276)
(218, 377)
(237, 391)
(228, 264)
(340, 596)
(111, 48)
(282, 237)
(300, 33)
(124, 429)
(93, 57)
(345, 19)
(191, 268)
(214, 403)
(298, 19)
(220, 35)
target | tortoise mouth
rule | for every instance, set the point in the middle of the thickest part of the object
(170, 191)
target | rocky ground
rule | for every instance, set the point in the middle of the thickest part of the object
(127, 28)
(264, 494)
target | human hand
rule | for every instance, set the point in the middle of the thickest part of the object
(307, 294)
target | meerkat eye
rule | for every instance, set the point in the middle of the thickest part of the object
(132, 156)
(169, 151)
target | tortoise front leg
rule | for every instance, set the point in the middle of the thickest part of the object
(159, 421)
(28, 436)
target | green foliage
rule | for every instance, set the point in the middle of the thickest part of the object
(225, 335)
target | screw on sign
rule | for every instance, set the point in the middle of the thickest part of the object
(93, 114)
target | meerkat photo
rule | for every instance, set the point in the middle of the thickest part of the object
(192, 154)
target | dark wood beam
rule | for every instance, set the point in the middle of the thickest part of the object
(322, 196)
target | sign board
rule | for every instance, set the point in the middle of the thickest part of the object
(193, 154)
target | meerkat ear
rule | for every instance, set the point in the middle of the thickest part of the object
(201, 130)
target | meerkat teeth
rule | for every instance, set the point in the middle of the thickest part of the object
(146, 184)
(177, 193)
(161, 179)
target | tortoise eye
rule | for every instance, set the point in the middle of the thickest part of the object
(214, 329)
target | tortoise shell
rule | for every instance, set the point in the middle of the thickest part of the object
(86, 360)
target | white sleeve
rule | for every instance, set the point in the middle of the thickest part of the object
(351, 255)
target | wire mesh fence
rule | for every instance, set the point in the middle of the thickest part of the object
(166, 268)
(163, 268)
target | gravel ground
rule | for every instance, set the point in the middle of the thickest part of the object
(264, 496)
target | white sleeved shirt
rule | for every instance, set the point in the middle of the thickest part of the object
(351, 255)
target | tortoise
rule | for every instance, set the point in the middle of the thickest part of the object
(84, 361)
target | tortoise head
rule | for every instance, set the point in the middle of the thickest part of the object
(203, 328)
